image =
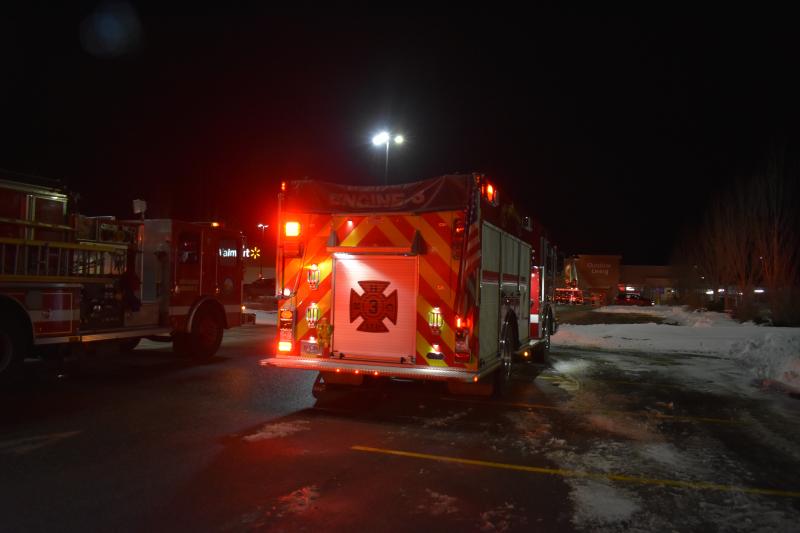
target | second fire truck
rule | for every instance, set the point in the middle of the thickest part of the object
(433, 280)
(67, 279)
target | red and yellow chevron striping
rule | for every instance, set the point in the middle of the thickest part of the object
(438, 271)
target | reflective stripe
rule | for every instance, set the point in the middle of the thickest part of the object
(393, 370)
(56, 315)
(233, 308)
(178, 310)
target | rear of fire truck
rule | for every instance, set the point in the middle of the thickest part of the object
(388, 282)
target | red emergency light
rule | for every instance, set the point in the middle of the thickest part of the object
(491, 194)
(292, 229)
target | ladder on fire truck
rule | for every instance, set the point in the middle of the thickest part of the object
(48, 260)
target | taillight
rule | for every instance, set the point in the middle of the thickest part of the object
(285, 346)
(462, 352)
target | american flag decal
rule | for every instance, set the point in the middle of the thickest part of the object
(472, 252)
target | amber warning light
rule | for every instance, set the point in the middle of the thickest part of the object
(292, 229)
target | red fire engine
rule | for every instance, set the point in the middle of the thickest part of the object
(67, 279)
(434, 280)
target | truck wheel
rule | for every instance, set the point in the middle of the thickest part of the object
(12, 350)
(206, 333)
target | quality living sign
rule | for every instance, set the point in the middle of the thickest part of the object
(598, 271)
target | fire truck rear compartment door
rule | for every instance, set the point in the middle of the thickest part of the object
(375, 306)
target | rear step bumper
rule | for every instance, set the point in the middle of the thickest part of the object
(386, 370)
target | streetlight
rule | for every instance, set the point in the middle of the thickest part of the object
(385, 137)
(262, 227)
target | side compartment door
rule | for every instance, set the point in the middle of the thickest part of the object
(490, 292)
(523, 317)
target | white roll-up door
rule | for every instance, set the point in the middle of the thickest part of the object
(375, 306)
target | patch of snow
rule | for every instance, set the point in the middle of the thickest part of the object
(598, 503)
(502, 518)
(265, 318)
(768, 353)
(663, 453)
(439, 504)
(297, 501)
(277, 430)
(532, 430)
(445, 420)
(626, 427)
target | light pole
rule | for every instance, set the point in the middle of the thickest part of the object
(385, 137)
(262, 227)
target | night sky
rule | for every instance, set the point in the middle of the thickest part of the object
(613, 131)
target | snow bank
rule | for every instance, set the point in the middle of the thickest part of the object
(771, 354)
(269, 318)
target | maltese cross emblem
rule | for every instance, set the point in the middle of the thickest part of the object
(373, 306)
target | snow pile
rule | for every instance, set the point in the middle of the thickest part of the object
(277, 430)
(267, 318)
(771, 354)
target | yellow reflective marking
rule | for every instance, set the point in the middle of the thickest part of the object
(423, 348)
(358, 233)
(391, 232)
(437, 244)
(692, 485)
(429, 274)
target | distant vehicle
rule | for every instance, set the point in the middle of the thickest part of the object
(569, 296)
(633, 299)
(260, 288)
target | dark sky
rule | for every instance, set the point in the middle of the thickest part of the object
(613, 131)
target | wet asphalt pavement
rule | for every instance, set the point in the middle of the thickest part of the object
(591, 442)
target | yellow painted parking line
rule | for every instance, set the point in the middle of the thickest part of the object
(692, 485)
(647, 414)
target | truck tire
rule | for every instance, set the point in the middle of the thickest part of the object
(206, 335)
(12, 350)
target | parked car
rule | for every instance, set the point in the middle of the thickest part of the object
(633, 299)
(569, 296)
(259, 289)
